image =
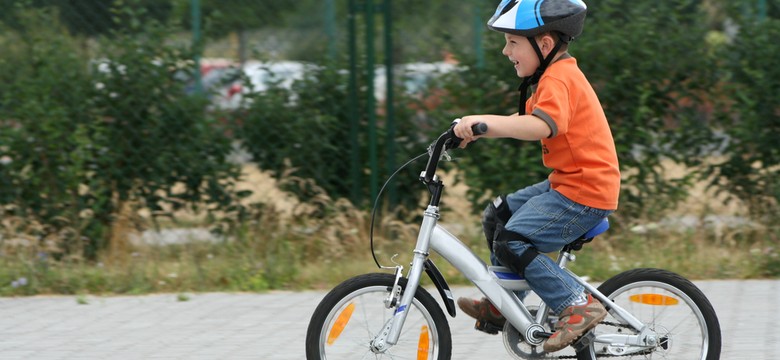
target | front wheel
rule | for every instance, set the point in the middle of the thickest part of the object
(354, 312)
(673, 307)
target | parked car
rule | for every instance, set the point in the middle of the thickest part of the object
(411, 78)
(261, 76)
(229, 88)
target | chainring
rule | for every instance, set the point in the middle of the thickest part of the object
(516, 345)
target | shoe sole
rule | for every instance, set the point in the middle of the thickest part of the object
(590, 327)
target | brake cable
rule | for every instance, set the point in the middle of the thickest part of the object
(376, 204)
(479, 128)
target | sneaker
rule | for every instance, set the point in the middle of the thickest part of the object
(483, 311)
(575, 321)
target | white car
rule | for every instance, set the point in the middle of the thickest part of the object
(261, 76)
(413, 78)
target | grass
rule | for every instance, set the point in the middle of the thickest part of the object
(289, 245)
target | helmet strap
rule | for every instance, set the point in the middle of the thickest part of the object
(534, 79)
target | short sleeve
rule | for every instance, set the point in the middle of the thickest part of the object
(552, 105)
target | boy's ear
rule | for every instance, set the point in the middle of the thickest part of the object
(547, 43)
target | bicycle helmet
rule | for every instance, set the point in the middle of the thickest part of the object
(530, 18)
(533, 17)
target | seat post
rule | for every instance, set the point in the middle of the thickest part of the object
(565, 257)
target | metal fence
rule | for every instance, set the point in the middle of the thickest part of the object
(99, 104)
(358, 36)
(99, 98)
(366, 38)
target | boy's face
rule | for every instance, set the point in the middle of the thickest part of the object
(518, 49)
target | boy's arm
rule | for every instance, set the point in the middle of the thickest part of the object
(521, 127)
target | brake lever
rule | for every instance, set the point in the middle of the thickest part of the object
(445, 155)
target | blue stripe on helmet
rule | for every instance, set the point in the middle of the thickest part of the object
(538, 12)
(528, 16)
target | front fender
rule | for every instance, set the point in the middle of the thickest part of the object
(441, 285)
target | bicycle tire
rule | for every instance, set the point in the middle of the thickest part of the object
(665, 301)
(361, 299)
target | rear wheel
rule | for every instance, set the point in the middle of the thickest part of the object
(673, 307)
(353, 313)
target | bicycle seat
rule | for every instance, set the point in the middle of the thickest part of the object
(599, 229)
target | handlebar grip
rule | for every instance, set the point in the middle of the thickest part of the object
(447, 140)
(479, 128)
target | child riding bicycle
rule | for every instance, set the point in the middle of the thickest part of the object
(565, 114)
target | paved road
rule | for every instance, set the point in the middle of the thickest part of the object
(272, 326)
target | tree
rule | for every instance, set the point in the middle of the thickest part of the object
(91, 17)
(224, 17)
(100, 17)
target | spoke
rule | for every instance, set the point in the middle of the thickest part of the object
(675, 322)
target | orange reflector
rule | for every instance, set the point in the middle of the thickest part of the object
(341, 322)
(423, 345)
(654, 299)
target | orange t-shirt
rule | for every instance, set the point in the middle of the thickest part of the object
(580, 150)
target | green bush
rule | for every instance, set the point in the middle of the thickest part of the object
(83, 140)
(46, 119)
(653, 70)
(305, 132)
(750, 168)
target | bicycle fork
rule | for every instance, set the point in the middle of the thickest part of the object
(392, 328)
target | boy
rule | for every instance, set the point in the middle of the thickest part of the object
(566, 116)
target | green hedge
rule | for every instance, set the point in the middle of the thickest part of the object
(83, 140)
(86, 134)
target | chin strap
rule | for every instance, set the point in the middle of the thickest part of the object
(534, 79)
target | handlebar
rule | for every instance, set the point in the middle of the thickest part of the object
(479, 128)
(447, 140)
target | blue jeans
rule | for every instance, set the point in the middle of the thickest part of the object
(549, 221)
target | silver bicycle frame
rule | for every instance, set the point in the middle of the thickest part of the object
(433, 236)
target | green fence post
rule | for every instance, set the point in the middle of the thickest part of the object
(761, 10)
(354, 169)
(197, 41)
(330, 28)
(478, 27)
(389, 121)
(370, 100)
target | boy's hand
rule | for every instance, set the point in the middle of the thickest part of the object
(463, 130)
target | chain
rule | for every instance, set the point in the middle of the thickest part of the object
(608, 355)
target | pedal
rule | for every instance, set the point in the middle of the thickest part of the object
(583, 341)
(487, 327)
(544, 334)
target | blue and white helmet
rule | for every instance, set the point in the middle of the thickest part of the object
(533, 17)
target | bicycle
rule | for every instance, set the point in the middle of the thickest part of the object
(653, 313)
